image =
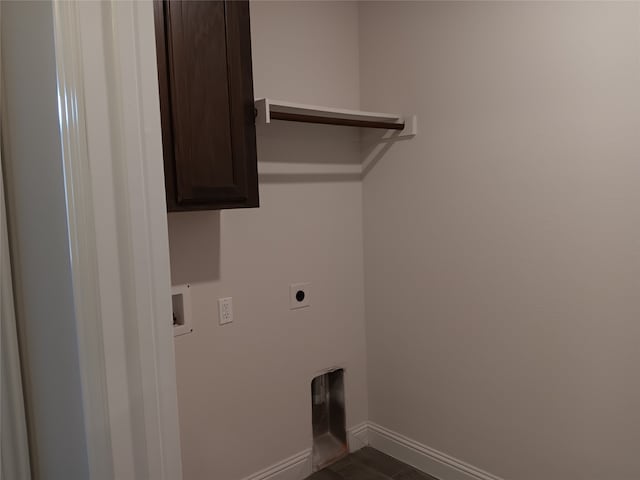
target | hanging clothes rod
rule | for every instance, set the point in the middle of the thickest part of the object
(269, 109)
(326, 120)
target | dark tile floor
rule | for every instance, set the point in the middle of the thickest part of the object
(369, 464)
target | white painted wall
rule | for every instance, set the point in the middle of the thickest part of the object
(244, 388)
(40, 242)
(501, 244)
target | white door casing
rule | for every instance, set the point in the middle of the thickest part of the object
(111, 139)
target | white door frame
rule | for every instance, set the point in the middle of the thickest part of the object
(111, 138)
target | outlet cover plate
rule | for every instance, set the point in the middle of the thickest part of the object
(299, 295)
(225, 310)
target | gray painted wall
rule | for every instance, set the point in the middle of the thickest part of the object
(244, 389)
(501, 244)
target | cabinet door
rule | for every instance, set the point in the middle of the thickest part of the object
(207, 105)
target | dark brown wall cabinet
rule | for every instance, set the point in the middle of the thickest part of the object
(206, 103)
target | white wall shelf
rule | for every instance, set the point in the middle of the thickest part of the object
(269, 109)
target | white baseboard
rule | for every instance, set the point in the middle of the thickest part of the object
(422, 457)
(299, 466)
(358, 436)
(426, 459)
(296, 467)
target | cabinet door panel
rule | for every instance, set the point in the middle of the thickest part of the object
(206, 96)
(199, 93)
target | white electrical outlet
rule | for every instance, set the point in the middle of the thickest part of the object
(299, 295)
(225, 310)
